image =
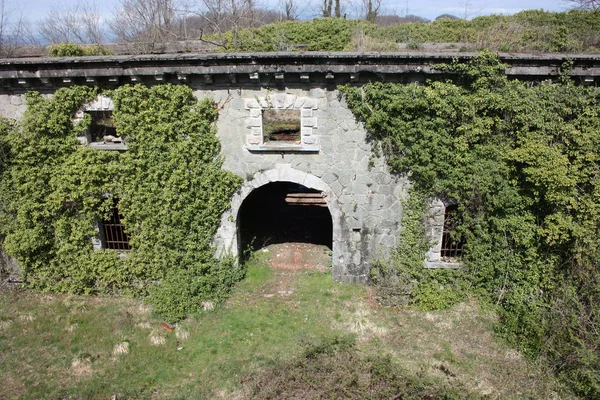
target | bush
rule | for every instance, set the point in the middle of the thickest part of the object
(171, 187)
(521, 160)
(69, 49)
(332, 367)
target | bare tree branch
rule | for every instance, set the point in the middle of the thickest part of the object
(585, 4)
(14, 30)
(145, 21)
(80, 24)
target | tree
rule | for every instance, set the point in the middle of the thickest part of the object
(80, 24)
(586, 4)
(290, 9)
(14, 30)
(152, 21)
(371, 9)
(220, 16)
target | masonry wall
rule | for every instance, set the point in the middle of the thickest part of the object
(368, 197)
(12, 106)
(333, 157)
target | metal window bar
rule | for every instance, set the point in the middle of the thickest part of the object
(115, 237)
(451, 246)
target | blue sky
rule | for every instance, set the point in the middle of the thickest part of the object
(34, 10)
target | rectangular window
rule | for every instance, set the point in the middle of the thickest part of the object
(281, 126)
(102, 126)
(113, 232)
(452, 244)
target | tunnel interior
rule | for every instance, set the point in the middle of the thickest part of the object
(284, 212)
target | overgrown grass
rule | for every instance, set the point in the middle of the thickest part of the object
(530, 30)
(277, 325)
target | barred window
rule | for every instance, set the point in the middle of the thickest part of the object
(452, 242)
(113, 231)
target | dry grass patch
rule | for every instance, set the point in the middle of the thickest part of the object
(359, 320)
(458, 345)
(121, 348)
(81, 366)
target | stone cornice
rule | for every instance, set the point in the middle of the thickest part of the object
(268, 69)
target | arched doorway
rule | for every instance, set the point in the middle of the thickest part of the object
(283, 212)
(227, 239)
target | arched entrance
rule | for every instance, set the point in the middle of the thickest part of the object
(282, 178)
(284, 212)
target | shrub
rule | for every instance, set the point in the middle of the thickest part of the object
(522, 162)
(69, 49)
(171, 187)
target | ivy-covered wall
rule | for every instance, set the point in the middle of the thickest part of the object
(364, 199)
(170, 185)
(522, 161)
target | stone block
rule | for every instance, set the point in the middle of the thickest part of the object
(306, 113)
(309, 140)
(254, 140)
(255, 112)
(254, 122)
(315, 183)
(265, 102)
(278, 100)
(318, 93)
(256, 131)
(306, 131)
(290, 100)
(310, 103)
(330, 177)
(238, 104)
(312, 122)
(251, 103)
(299, 103)
(16, 100)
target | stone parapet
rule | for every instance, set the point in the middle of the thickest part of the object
(300, 69)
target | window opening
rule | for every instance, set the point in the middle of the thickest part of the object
(115, 237)
(452, 243)
(281, 126)
(103, 128)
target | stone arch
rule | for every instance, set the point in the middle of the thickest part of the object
(226, 238)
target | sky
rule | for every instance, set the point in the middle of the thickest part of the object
(34, 10)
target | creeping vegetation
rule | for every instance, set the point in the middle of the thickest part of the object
(522, 163)
(170, 185)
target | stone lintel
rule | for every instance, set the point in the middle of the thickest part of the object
(442, 265)
(287, 148)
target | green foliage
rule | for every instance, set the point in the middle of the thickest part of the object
(170, 184)
(69, 49)
(333, 367)
(532, 30)
(320, 34)
(186, 290)
(404, 281)
(522, 163)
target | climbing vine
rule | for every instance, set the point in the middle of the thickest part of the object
(170, 187)
(522, 161)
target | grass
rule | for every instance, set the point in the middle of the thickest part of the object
(281, 333)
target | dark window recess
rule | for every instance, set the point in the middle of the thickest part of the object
(452, 243)
(281, 126)
(114, 236)
(102, 125)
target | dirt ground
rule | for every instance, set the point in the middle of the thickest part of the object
(298, 256)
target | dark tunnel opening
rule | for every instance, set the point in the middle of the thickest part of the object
(284, 212)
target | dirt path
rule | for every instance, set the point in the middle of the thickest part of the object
(287, 259)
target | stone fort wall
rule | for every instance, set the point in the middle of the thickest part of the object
(332, 157)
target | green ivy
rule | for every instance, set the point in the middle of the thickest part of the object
(523, 163)
(170, 185)
(68, 49)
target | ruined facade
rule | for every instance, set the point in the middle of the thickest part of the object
(324, 151)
